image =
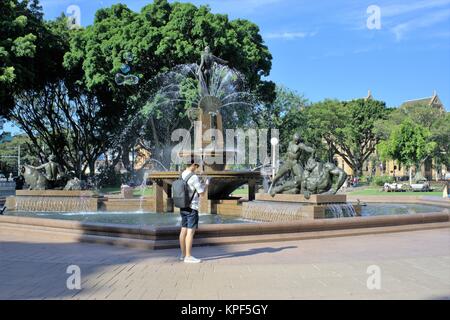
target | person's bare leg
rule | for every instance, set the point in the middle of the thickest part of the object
(189, 240)
(183, 234)
(281, 172)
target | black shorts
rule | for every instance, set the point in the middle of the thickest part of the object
(189, 218)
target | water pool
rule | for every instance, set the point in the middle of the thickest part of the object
(173, 219)
(132, 218)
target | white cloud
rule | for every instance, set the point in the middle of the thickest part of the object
(56, 3)
(289, 35)
(424, 21)
(401, 9)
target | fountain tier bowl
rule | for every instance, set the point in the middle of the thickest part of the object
(221, 183)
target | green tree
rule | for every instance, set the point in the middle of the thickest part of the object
(63, 125)
(409, 143)
(273, 115)
(440, 134)
(30, 53)
(437, 121)
(344, 128)
(9, 152)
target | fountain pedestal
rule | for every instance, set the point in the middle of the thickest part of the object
(53, 201)
(221, 185)
(292, 207)
(210, 153)
(314, 199)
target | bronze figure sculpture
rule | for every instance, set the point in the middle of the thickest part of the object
(34, 178)
(293, 166)
(313, 177)
(54, 177)
(204, 70)
(318, 178)
(53, 170)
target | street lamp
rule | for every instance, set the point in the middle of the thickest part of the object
(274, 142)
(80, 153)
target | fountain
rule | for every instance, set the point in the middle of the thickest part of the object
(214, 92)
(307, 190)
(299, 190)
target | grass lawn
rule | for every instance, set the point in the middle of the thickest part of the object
(149, 191)
(137, 192)
(241, 191)
(371, 191)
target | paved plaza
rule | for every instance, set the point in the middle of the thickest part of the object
(413, 265)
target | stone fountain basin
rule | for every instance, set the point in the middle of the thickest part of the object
(221, 185)
(151, 237)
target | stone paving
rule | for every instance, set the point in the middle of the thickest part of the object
(413, 265)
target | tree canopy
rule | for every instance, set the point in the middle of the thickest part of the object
(432, 124)
(346, 128)
(59, 84)
(30, 50)
(159, 37)
(162, 36)
(408, 143)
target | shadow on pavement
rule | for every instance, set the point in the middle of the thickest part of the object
(248, 252)
(38, 270)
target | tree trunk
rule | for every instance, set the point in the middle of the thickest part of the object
(91, 167)
(126, 157)
(410, 175)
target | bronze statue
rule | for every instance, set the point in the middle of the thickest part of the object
(314, 177)
(54, 178)
(73, 184)
(293, 165)
(53, 170)
(34, 178)
(204, 70)
(318, 178)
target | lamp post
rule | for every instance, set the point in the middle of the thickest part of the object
(274, 142)
(18, 160)
(80, 154)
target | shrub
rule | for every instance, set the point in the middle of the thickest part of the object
(381, 180)
(108, 178)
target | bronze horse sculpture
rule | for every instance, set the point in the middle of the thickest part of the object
(35, 179)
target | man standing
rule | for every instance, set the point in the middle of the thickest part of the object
(189, 215)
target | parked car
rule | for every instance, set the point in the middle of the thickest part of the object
(425, 186)
(394, 187)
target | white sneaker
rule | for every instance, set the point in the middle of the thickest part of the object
(192, 259)
(181, 257)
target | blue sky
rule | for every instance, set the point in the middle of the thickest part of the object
(324, 49)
